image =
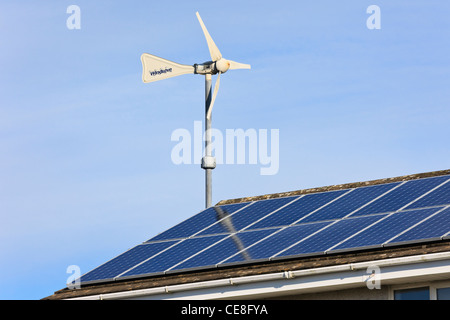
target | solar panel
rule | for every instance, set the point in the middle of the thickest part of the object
(328, 236)
(403, 195)
(247, 216)
(277, 241)
(300, 209)
(317, 223)
(437, 197)
(385, 229)
(197, 223)
(182, 250)
(351, 202)
(435, 226)
(125, 261)
(235, 244)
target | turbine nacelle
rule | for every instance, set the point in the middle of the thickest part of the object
(214, 67)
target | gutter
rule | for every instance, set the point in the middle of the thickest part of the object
(286, 275)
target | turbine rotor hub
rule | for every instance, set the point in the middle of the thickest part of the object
(222, 65)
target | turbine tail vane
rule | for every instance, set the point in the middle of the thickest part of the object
(155, 68)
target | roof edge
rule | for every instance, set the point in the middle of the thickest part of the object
(336, 187)
(260, 268)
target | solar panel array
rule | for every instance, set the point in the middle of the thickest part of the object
(317, 223)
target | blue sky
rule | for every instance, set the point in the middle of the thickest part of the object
(85, 149)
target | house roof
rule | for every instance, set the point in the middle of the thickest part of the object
(338, 187)
(263, 267)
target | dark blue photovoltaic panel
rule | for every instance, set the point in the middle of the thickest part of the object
(174, 255)
(125, 261)
(196, 223)
(350, 202)
(401, 196)
(279, 241)
(436, 226)
(332, 235)
(298, 209)
(226, 248)
(248, 215)
(314, 223)
(387, 228)
(438, 197)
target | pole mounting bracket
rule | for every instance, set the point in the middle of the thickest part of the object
(208, 162)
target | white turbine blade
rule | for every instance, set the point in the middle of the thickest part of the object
(213, 50)
(155, 68)
(237, 65)
(216, 89)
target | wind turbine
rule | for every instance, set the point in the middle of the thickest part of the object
(156, 68)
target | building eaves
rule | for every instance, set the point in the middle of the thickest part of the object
(261, 268)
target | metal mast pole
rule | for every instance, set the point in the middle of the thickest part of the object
(208, 162)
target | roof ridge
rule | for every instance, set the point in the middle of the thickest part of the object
(337, 187)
